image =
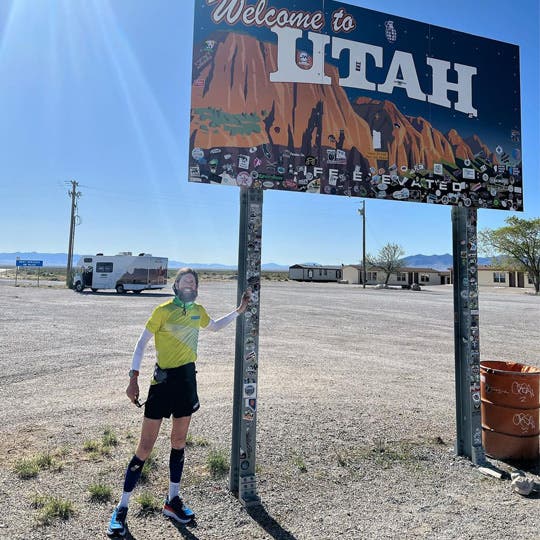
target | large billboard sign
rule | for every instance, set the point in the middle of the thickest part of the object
(326, 97)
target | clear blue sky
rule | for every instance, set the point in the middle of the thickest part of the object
(99, 91)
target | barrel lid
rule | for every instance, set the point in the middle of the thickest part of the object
(515, 368)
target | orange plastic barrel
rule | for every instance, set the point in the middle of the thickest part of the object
(510, 408)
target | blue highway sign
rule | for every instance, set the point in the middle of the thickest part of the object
(29, 263)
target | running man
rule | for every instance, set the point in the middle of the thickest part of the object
(173, 390)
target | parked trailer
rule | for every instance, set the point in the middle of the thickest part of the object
(123, 272)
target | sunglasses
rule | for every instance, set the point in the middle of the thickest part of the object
(139, 403)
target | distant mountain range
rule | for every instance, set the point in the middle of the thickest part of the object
(438, 262)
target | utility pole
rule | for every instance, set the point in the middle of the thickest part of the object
(362, 212)
(74, 194)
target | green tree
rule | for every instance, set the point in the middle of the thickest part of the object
(518, 244)
(389, 259)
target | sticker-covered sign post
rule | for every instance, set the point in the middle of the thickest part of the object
(242, 480)
(318, 96)
(466, 335)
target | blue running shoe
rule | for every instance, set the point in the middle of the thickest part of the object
(117, 525)
(178, 510)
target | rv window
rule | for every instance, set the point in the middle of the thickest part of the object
(102, 267)
(87, 259)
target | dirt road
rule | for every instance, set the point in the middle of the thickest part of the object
(356, 414)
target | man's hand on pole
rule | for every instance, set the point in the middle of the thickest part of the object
(246, 297)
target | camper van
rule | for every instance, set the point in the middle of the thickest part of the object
(123, 272)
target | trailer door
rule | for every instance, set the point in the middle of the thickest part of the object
(103, 275)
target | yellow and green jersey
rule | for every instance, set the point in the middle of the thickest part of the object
(176, 332)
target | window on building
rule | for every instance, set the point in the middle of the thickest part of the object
(310, 273)
(499, 277)
(424, 278)
(529, 279)
(371, 276)
(325, 272)
(402, 276)
(104, 267)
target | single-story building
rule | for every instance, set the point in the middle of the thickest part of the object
(353, 273)
(495, 277)
(315, 272)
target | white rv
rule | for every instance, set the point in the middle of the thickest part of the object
(123, 272)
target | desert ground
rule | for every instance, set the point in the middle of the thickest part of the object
(355, 424)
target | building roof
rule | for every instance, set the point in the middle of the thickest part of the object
(495, 268)
(316, 267)
(402, 269)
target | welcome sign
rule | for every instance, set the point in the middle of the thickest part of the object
(325, 97)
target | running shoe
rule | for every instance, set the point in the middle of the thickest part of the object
(178, 510)
(117, 525)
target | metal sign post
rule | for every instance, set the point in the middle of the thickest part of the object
(242, 481)
(466, 335)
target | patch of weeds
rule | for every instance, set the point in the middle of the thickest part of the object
(384, 454)
(299, 463)
(27, 468)
(52, 508)
(196, 441)
(63, 451)
(149, 465)
(218, 463)
(149, 503)
(91, 446)
(99, 493)
(109, 438)
(46, 461)
(103, 447)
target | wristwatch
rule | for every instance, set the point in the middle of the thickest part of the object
(133, 373)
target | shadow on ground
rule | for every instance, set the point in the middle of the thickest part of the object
(184, 530)
(269, 524)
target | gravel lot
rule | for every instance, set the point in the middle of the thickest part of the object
(355, 428)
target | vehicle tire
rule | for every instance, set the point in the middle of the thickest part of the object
(79, 286)
(120, 289)
(94, 290)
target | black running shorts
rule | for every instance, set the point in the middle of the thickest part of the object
(177, 395)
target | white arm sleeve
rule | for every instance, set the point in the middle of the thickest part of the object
(138, 353)
(214, 326)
